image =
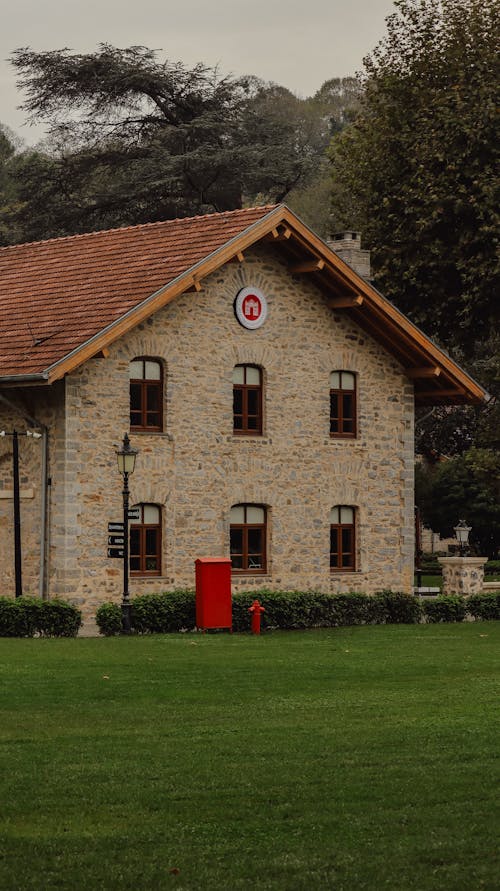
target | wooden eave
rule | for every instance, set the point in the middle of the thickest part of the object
(312, 258)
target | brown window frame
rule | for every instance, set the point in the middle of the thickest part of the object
(342, 418)
(245, 388)
(245, 528)
(143, 528)
(337, 530)
(147, 384)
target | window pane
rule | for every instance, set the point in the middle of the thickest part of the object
(238, 375)
(236, 562)
(135, 539)
(135, 397)
(151, 541)
(348, 381)
(153, 398)
(346, 515)
(255, 541)
(334, 516)
(238, 514)
(151, 514)
(254, 562)
(335, 380)
(348, 406)
(135, 564)
(252, 423)
(238, 422)
(252, 375)
(253, 402)
(236, 541)
(346, 540)
(333, 548)
(237, 401)
(152, 371)
(136, 369)
(151, 564)
(255, 514)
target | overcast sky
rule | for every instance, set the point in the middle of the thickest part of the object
(296, 43)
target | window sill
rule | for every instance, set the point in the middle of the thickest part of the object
(160, 434)
(251, 438)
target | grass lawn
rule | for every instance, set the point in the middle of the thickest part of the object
(353, 758)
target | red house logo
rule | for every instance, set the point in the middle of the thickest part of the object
(251, 308)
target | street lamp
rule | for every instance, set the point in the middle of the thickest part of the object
(462, 535)
(126, 465)
(18, 562)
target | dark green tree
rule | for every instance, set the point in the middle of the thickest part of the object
(468, 488)
(133, 139)
(417, 170)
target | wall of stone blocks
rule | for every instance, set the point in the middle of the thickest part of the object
(196, 469)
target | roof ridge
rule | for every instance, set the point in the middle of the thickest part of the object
(152, 225)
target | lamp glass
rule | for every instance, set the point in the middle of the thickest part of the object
(462, 532)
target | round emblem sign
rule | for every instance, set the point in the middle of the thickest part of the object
(251, 308)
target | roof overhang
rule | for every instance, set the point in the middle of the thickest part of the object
(437, 379)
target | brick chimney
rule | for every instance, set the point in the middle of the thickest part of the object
(348, 246)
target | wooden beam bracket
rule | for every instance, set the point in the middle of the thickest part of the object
(426, 371)
(346, 302)
(315, 265)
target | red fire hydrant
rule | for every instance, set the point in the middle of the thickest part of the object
(256, 609)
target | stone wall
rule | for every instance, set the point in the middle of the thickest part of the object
(196, 470)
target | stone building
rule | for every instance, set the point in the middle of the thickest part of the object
(268, 387)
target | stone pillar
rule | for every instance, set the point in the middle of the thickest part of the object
(462, 575)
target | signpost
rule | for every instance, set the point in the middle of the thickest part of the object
(116, 540)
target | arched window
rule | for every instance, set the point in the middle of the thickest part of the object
(146, 394)
(342, 404)
(145, 541)
(342, 538)
(248, 538)
(247, 400)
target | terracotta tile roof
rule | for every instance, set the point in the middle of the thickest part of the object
(55, 295)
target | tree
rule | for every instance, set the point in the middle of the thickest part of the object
(416, 170)
(468, 488)
(133, 139)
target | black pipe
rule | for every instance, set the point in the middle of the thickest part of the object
(17, 516)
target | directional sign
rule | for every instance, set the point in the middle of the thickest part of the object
(134, 513)
(116, 540)
(115, 552)
(116, 528)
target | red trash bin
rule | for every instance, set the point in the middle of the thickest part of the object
(213, 593)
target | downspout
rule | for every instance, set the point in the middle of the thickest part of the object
(44, 500)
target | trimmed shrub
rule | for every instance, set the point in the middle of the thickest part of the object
(445, 609)
(400, 608)
(484, 606)
(492, 567)
(27, 616)
(109, 619)
(161, 613)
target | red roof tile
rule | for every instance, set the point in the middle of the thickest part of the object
(55, 295)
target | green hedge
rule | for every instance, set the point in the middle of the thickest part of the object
(27, 616)
(289, 610)
(175, 610)
(445, 609)
(484, 606)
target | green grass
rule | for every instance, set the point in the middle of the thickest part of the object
(356, 758)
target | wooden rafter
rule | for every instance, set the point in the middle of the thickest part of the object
(315, 265)
(346, 302)
(431, 371)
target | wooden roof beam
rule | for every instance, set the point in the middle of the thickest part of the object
(196, 286)
(282, 234)
(346, 302)
(238, 257)
(315, 265)
(438, 394)
(426, 371)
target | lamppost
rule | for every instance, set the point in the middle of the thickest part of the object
(18, 562)
(462, 535)
(126, 465)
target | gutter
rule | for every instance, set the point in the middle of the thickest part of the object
(42, 592)
(38, 377)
